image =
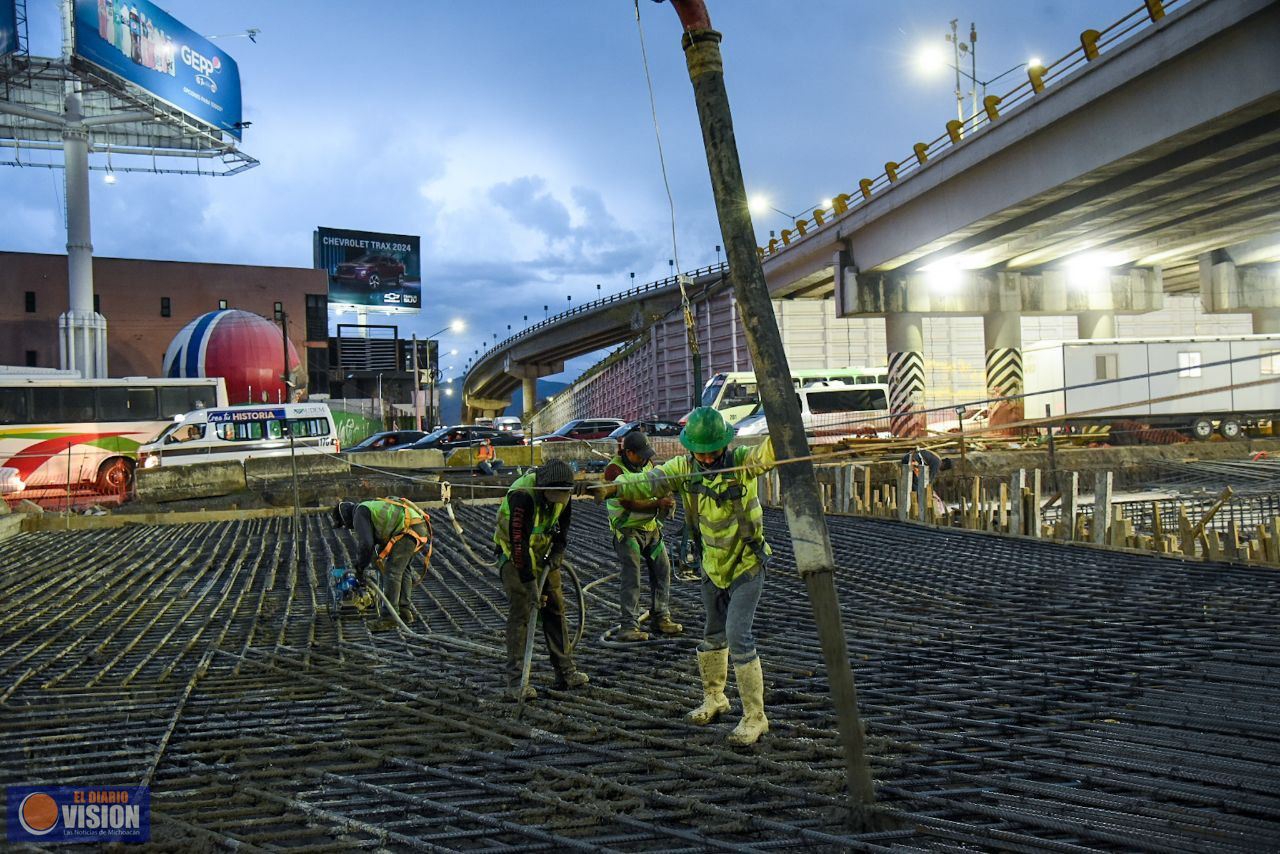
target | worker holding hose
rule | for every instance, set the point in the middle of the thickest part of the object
(530, 539)
(718, 485)
(395, 529)
(637, 539)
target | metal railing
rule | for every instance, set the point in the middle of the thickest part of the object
(1039, 77)
(621, 296)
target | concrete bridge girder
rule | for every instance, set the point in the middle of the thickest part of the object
(1227, 287)
(1136, 290)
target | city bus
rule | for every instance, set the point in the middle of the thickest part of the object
(68, 432)
(736, 396)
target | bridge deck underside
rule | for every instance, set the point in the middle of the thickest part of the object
(1017, 696)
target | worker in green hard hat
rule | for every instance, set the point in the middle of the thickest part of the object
(718, 485)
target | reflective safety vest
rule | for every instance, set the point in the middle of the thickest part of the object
(395, 518)
(623, 520)
(723, 507)
(546, 520)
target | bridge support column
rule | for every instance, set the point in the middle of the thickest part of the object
(1239, 280)
(1096, 324)
(1002, 332)
(1266, 321)
(904, 337)
(529, 397)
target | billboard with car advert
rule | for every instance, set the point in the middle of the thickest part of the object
(8, 26)
(371, 269)
(141, 43)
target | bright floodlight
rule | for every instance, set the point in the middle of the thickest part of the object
(1090, 270)
(109, 178)
(458, 325)
(944, 276)
(758, 204)
(825, 204)
(1035, 62)
(930, 59)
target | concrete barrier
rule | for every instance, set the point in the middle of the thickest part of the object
(200, 480)
(397, 459)
(277, 468)
(511, 455)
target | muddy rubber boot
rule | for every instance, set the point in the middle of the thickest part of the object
(631, 635)
(751, 689)
(513, 693)
(714, 667)
(406, 615)
(574, 679)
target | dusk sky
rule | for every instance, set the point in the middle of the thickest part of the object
(516, 137)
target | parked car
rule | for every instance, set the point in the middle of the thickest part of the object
(389, 440)
(463, 436)
(373, 271)
(581, 428)
(508, 424)
(833, 409)
(650, 428)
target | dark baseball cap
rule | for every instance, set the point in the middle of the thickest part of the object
(637, 443)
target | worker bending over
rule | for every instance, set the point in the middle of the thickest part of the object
(719, 490)
(637, 538)
(395, 529)
(530, 539)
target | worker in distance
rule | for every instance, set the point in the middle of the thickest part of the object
(637, 540)
(718, 485)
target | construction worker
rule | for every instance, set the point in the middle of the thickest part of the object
(922, 459)
(486, 457)
(718, 485)
(530, 538)
(395, 529)
(637, 538)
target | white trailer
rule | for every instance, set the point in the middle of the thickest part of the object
(1065, 376)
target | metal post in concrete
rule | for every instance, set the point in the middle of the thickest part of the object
(1002, 332)
(805, 519)
(904, 340)
(1096, 324)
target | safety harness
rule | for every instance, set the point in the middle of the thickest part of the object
(733, 494)
(412, 515)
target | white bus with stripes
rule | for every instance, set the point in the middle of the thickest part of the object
(241, 433)
(63, 431)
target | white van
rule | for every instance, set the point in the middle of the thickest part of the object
(241, 433)
(832, 410)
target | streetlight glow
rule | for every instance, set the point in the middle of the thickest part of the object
(458, 325)
(1034, 62)
(930, 60)
(758, 204)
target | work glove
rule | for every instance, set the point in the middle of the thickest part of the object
(602, 491)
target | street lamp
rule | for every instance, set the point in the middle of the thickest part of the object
(930, 59)
(457, 325)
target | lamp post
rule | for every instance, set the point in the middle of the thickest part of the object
(432, 372)
(931, 59)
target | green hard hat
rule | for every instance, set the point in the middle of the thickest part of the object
(706, 431)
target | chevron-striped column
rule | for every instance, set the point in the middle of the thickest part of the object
(904, 337)
(1002, 332)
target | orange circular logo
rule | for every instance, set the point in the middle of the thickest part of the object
(38, 813)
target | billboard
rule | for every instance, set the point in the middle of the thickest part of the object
(371, 269)
(8, 26)
(139, 42)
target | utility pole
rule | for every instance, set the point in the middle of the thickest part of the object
(805, 518)
(417, 386)
(284, 340)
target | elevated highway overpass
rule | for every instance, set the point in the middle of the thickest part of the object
(1145, 161)
(542, 349)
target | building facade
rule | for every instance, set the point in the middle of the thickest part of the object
(147, 302)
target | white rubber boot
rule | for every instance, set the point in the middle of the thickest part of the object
(714, 667)
(751, 689)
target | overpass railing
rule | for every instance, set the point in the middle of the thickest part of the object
(1093, 43)
(586, 307)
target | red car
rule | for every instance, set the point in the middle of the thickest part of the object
(372, 271)
(582, 428)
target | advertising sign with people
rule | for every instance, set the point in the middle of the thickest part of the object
(8, 27)
(371, 269)
(141, 43)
